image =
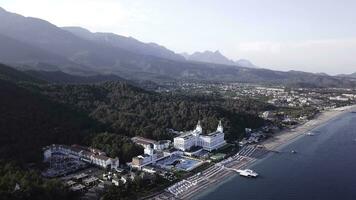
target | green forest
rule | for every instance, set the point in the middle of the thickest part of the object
(17, 183)
(131, 111)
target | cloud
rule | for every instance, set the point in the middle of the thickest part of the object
(103, 15)
(271, 47)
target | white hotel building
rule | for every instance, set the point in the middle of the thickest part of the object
(86, 154)
(194, 138)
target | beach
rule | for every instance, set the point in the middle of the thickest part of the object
(219, 173)
(287, 136)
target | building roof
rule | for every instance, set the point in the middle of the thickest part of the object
(186, 135)
(78, 147)
(163, 142)
(142, 140)
(56, 146)
(101, 157)
(213, 134)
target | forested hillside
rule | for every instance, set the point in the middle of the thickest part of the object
(132, 111)
(17, 183)
(10, 74)
(49, 113)
(29, 121)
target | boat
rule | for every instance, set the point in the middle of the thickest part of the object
(293, 151)
(247, 173)
(309, 134)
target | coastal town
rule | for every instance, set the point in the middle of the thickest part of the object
(281, 96)
(195, 159)
(177, 100)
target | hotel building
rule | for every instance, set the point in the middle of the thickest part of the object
(86, 154)
(195, 138)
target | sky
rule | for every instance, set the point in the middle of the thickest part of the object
(304, 35)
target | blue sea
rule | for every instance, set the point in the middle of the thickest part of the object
(323, 168)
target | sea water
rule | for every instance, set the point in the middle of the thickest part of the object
(323, 168)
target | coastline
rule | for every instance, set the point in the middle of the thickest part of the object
(287, 136)
(274, 143)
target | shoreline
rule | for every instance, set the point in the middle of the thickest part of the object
(277, 141)
(287, 136)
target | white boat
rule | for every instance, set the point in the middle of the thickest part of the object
(309, 134)
(247, 173)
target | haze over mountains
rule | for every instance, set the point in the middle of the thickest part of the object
(127, 43)
(34, 44)
(217, 58)
(353, 75)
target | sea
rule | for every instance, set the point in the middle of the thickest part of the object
(323, 168)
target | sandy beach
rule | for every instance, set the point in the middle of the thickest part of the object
(287, 136)
(238, 162)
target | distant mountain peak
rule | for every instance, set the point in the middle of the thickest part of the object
(353, 75)
(76, 28)
(209, 57)
(216, 57)
(322, 74)
(209, 52)
(185, 55)
(79, 31)
(245, 63)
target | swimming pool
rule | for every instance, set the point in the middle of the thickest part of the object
(179, 162)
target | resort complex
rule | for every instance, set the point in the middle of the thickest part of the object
(155, 151)
(195, 138)
(189, 150)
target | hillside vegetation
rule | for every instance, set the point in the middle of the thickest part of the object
(132, 111)
(30, 121)
(50, 113)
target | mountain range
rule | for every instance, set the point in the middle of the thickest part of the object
(217, 58)
(353, 75)
(127, 43)
(34, 44)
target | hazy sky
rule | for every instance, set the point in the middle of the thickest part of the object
(307, 35)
